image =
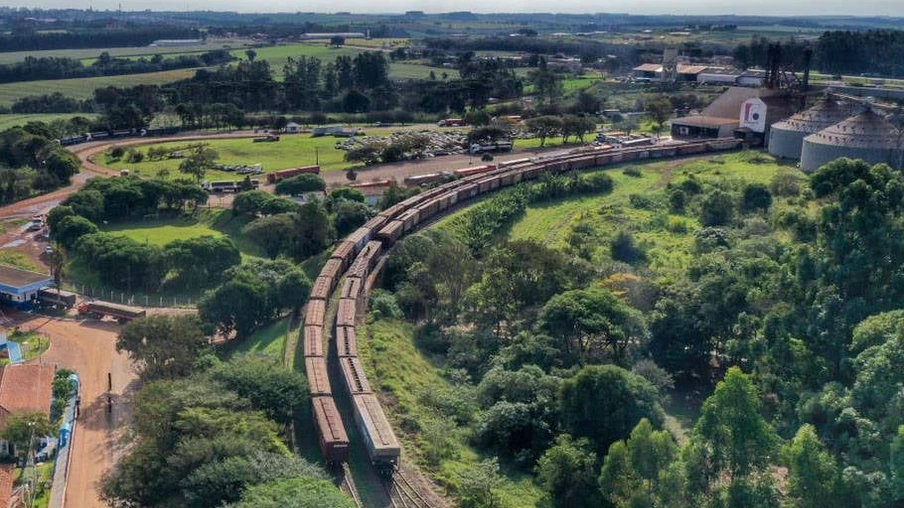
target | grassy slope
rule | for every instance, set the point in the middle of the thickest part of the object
(268, 341)
(402, 371)
(668, 251)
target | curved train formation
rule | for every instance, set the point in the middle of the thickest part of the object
(356, 257)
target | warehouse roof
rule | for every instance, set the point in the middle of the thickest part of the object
(16, 277)
(705, 121)
(649, 68)
(24, 389)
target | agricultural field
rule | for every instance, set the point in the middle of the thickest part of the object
(418, 71)
(13, 120)
(134, 51)
(277, 56)
(290, 151)
(83, 88)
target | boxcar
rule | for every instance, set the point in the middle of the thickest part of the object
(467, 192)
(346, 341)
(428, 209)
(410, 218)
(332, 269)
(391, 232)
(330, 430)
(360, 238)
(393, 211)
(375, 224)
(322, 288)
(316, 313)
(353, 375)
(381, 443)
(318, 381)
(313, 341)
(345, 316)
(351, 288)
(345, 252)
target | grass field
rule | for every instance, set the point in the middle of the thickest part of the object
(17, 259)
(417, 71)
(395, 364)
(83, 88)
(268, 341)
(668, 237)
(290, 151)
(277, 56)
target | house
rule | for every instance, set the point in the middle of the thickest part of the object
(19, 288)
(293, 128)
(24, 389)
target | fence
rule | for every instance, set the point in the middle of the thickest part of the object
(141, 300)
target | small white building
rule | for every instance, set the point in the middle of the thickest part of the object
(293, 128)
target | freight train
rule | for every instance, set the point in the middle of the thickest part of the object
(355, 257)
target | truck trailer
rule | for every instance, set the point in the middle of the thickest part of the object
(122, 313)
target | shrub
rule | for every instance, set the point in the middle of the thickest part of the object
(624, 249)
(634, 172)
(117, 152)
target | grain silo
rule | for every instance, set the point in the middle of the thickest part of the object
(866, 136)
(786, 138)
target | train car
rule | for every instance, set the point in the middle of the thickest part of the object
(360, 238)
(330, 430)
(332, 269)
(351, 288)
(375, 224)
(345, 316)
(282, 174)
(316, 313)
(382, 446)
(474, 170)
(443, 201)
(353, 374)
(723, 144)
(427, 209)
(318, 381)
(345, 253)
(322, 288)
(467, 192)
(346, 341)
(488, 184)
(365, 260)
(391, 232)
(410, 219)
(393, 211)
(313, 341)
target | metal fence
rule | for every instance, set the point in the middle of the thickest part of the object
(137, 299)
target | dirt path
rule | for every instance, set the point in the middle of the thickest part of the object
(89, 349)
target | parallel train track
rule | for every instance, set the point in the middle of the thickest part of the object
(352, 263)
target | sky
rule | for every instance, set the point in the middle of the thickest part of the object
(757, 7)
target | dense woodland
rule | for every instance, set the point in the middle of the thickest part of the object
(786, 320)
(32, 162)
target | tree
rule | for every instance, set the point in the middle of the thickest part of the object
(71, 228)
(56, 214)
(337, 41)
(659, 110)
(544, 127)
(273, 389)
(756, 197)
(300, 184)
(813, 472)
(251, 54)
(736, 436)
(592, 320)
(24, 431)
(315, 231)
(717, 209)
(567, 471)
(603, 403)
(633, 469)
(87, 203)
(236, 305)
(198, 162)
(274, 233)
(896, 463)
(201, 261)
(296, 493)
(477, 486)
(343, 194)
(577, 126)
(350, 215)
(163, 347)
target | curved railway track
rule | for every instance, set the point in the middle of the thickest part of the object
(353, 262)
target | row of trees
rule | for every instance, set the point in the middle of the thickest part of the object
(209, 433)
(44, 68)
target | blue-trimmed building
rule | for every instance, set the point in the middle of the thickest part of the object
(19, 288)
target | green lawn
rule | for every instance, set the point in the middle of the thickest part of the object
(83, 88)
(17, 259)
(268, 341)
(132, 51)
(277, 56)
(291, 151)
(206, 222)
(418, 71)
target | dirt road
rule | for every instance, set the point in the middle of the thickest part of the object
(89, 349)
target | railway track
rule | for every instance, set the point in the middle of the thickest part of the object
(403, 494)
(348, 485)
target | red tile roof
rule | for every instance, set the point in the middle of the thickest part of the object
(25, 388)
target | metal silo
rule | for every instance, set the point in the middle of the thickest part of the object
(866, 136)
(786, 138)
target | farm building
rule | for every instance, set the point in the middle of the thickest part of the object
(867, 136)
(293, 128)
(24, 389)
(654, 71)
(19, 288)
(786, 138)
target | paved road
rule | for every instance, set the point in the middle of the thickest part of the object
(89, 349)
